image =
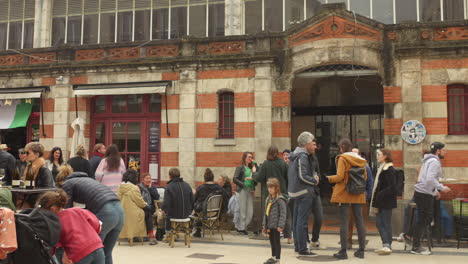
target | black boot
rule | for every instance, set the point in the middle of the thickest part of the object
(359, 253)
(341, 254)
(197, 233)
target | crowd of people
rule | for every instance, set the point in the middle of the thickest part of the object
(120, 206)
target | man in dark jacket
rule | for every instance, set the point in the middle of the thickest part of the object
(7, 163)
(101, 201)
(301, 188)
(178, 198)
(99, 151)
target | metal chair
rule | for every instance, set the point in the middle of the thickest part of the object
(461, 220)
(210, 217)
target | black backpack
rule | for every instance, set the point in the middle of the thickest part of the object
(37, 233)
(400, 182)
(356, 180)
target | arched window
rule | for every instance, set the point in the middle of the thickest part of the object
(457, 103)
(226, 115)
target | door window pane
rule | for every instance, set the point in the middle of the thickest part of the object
(142, 25)
(118, 135)
(155, 103)
(429, 10)
(312, 7)
(160, 19)
(274, 15)
(198, 18)
(253, 16)
(124, 26)
(90, 29)
(153, 136)
(361, 7)
(383, 11)
(133, 136)
(28, 34)
(216, 19)
(100, 105)
(453, 9)
(134, 162)
(107, 28)
(100, 133)
(405, 10)
(134, 103)
(58, 30)
(74, 30)
(178, 22)
(119, 104)
(294, 12)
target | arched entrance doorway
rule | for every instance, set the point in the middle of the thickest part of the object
(334, 102)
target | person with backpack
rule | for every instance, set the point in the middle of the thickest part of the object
(80, 230)
(426, 189)
(274, 218)
(349, 191)
(384, 199)
(202, 193)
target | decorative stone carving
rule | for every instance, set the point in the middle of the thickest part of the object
(93, 54)
(392, 35)
(11, 60)
(124, 53)
(452, 33)
(162, 51)
(426, 35)
(335, 27)
(217, 48)
(41, 58)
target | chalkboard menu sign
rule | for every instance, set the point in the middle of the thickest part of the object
(153, 145)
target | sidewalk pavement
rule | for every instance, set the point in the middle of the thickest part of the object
(236, 249)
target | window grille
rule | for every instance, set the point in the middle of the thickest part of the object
(226, 115)
(457, 103)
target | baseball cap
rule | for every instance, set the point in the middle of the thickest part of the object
(437, 145)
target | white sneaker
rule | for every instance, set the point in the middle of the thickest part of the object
(384, 251)
(316, 245)
(420, 251)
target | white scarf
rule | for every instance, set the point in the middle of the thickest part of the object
(372, 210)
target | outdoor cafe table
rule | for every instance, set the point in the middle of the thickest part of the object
(24, 192)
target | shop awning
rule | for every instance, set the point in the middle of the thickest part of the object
(15, 106)
(117, 89)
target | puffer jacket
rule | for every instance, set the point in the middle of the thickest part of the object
(301, 182)
(344, 163)
(278, 213)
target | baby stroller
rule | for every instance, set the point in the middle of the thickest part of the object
(37, 232)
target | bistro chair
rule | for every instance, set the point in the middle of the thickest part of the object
(210, 217)
(180, 226)
(460, 213)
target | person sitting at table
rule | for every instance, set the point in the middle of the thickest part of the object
(37, 170)
(55, 161)
(21, 162)
(149, 194)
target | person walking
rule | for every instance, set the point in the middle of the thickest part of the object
(98, 154)
(274, 218)
(426, 189)
(79, 163)
(301, 189)
(245, 187)
(384, 199)
(111, 168)
(345, 200)
(55, 161)
(99, 200)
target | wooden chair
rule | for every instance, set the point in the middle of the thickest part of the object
(210, 217)
(180, 225)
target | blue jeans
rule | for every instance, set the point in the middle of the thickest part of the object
(384, 225)
(95, 257)
(317, 211)
(302, 210)
(112, 218)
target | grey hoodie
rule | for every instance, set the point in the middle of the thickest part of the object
(301, 181)
(429, 175)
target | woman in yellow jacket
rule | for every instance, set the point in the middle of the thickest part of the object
(344, 199)
(133, 205)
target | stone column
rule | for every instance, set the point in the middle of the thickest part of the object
(234, 17)
(43, 24)
(60, 92)
(187, 87)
